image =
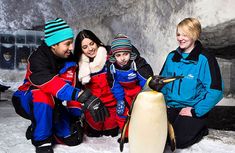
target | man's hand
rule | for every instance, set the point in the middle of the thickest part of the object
(94, 105)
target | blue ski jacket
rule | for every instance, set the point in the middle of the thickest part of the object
(130, 79)
(202, 85)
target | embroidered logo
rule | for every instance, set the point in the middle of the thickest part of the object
(190, 76)
(69, 74)
(131, 76)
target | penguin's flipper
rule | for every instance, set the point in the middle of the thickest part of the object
(171, 134)
(122, 139)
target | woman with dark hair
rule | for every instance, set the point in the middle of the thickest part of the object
(91, 56)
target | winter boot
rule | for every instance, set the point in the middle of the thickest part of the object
(28, 133)
(45, 148)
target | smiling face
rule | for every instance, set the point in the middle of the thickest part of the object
(122, 58)
(63, 49)
(187, 33)
(186, 42)
(89, 48)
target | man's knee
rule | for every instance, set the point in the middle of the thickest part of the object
(18, 108)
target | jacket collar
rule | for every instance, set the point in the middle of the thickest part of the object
(193, 55)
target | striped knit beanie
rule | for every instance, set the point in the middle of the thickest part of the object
(121, 43)
(57, 31)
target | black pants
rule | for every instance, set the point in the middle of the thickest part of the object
(188, 130)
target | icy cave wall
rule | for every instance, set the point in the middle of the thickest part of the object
(149, 23)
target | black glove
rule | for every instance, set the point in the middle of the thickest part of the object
(94, 105)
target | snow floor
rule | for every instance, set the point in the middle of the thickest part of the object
(12, 139)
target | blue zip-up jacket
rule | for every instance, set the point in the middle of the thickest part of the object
(202, 85)
(135, 73)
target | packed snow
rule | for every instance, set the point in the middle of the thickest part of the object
(13, 127)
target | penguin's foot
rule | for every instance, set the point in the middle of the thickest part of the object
(125, 140)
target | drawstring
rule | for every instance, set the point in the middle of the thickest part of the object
(133, 66)
(173, 84)
(112, 69)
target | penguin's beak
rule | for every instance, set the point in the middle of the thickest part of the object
(170, 79)
(157, 82)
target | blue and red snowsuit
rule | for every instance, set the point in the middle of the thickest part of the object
(127, 82)
(49, 80)
(99, 86)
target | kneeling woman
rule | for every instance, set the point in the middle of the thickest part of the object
(91, 55)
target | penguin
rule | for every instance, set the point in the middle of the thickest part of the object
(147, 120)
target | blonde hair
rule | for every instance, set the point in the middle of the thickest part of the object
(191, 27)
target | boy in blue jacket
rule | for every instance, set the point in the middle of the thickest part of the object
(129, 75)
(190, 98)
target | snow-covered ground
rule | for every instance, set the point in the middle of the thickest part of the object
(12, 138)
(13, 127)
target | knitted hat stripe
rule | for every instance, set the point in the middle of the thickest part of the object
(54, 26)
(58, 20)
(48, 25)
(120, 45)
(121, 40)
(121, 50)
(48, 34)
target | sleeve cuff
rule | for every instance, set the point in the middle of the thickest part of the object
(75, 94)
(193, 113)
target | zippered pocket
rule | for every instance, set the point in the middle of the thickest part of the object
(173, 83)
(180, 81)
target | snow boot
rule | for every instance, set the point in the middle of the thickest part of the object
(45, 148)
(29, 132)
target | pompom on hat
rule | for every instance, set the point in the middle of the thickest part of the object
(57, 31)
(121, 43)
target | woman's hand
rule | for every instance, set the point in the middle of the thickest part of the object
(186, 111)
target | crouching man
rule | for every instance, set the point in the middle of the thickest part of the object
(50, 79)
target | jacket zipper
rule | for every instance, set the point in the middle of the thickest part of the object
(173, 83)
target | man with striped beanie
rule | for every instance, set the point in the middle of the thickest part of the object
(129, 73)
(50, 79)
(56, 31)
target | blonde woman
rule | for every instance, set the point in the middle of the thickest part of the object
(191, 98)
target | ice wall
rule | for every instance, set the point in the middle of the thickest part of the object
(149, 23)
